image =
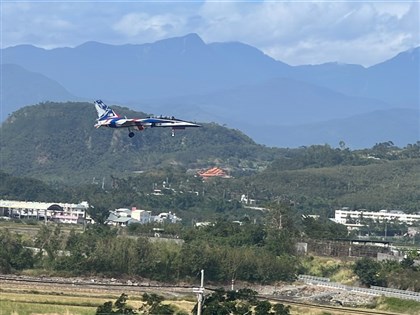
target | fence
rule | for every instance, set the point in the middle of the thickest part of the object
(373, 290)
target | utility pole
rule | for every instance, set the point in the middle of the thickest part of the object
(386, 228)
(200, 293)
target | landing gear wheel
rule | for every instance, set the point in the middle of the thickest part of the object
(131, 134)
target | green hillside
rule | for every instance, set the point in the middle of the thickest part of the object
(58, 143)
(389, 184)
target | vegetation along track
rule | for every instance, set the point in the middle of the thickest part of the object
(56, 286)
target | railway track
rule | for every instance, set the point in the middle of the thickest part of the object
(330, 308)
(178, 290)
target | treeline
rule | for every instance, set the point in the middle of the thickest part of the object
(240, 302)
(253, 252)
(100, 252)
(256, 252)
(404, 275)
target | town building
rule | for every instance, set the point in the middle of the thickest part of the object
(247, 201)
(125, 216)
(49, 211)
(354, 218)
(166, 217)
(143, 216)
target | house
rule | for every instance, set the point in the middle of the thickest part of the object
(125, 216)
(247, 201)
(142, 216)
(168, 217)
(116, 219)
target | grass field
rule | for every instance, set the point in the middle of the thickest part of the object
(84, 302)
(29, 303)
(22, 308)
(18, 299)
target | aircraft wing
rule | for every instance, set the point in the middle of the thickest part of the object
(163, 122)
(128, 122)
(121, 123)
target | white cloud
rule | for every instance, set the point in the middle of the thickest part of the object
(349, 32)
(293, 32)
(397, 9)
(135, 25)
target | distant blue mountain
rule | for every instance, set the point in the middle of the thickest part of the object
(401, 126)
(21, 87)
(395, 81)
(228, 83)
(278, 101)
(172, 67)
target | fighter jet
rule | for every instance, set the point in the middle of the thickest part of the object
(108, 118)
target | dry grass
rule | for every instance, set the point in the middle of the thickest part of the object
(18, 298)
(22, 308)
(52, 299)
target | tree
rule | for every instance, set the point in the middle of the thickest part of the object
(120, 307)
(323, 228)
(240, 302)
(49, 240)
(281, 229)
(154, 307)
(409, 260)
(262, 308)
(104, 309)
(368, 271)
(218, 303)
(13, 256)
(280, 309)
(99, 212)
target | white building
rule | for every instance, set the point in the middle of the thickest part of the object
(123, 212)
(356, 217)
(168, 217)
(142, 216)
(247, 201)
(51, 211)
(125, 216)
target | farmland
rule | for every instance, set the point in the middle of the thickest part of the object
(52, 296)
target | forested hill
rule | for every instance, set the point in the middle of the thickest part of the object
(376, 186)
(58, 143)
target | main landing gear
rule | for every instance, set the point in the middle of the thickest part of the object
(131, 134)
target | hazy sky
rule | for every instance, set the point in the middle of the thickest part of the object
(298, 32)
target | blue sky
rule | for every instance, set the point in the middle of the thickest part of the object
(299, 32)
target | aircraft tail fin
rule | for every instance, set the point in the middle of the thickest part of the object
(104, 111)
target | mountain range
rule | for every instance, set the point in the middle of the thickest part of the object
(229, 83)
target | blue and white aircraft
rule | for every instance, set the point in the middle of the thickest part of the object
(108, 118)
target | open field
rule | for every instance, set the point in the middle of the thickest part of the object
(33, 298)
(30, 298)
(30, 228)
